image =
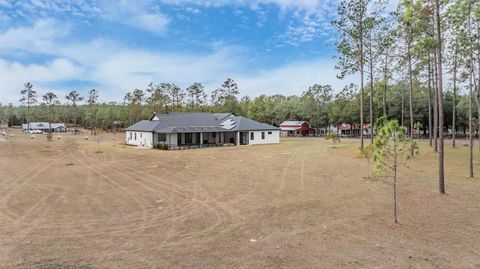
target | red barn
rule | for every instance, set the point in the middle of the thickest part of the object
(296, 128)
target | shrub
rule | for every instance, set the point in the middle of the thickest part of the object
(333, 137)
(366, 153)
(160, 146)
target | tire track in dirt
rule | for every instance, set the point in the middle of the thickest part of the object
(223, 213)
(302, 186)
(185, 212)
(297, 173)
(243, 195)
(239, 197)
(281, 183)
(142, 205)
(47, 227)
(40, 203)
(198, 201)
(14, 242)
(19, 184)
(125, 172)
(286, 169)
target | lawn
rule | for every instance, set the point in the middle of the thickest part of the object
(76, 203)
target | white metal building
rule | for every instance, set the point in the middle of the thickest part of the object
(198, 129)
(44, 126)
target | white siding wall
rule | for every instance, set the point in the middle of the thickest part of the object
(146, 138)
(272, 138)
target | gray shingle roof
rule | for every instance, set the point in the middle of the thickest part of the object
(246, 124)
(192, 122)
(42, 125)
(143, 126)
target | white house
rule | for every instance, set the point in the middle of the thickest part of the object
(199, 129)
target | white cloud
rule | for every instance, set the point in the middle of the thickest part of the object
(36, 38)
(115, 69)
(13, 76)
(292, 78)
(309, 19)
(193, 10)
(155, 23)
(142, 14)
(284, 4)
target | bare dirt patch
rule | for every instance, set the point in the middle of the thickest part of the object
(301, 203)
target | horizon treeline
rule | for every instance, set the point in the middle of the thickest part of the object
(320, 105)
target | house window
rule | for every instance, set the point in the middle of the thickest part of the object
(162, 137)
(269, 133)
(135, 136)
(130, 135)
(263, 135)
(141, 135)
(214, 135)
(252, 136)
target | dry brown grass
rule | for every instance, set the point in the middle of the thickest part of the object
(73, 203)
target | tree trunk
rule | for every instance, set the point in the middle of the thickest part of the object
(28, 114)
(478, 85)
(361, 82)
(429, 102)
(395, 184)
(50, 121)
(410, 81)
(470, 126)
(402, 120)
(454, 110)
(441, 170)
(371, 94)
(75, 113)
(435, 105)
(385, 78)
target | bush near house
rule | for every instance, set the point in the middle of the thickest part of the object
(160, 146)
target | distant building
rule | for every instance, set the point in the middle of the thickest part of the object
(44, 126)
(349, 130)
(296, 128)
(199, 129)
(325, 130)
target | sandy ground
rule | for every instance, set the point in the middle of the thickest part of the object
(73, 203)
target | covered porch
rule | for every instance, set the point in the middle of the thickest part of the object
(201, 139)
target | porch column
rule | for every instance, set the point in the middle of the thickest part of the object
(201, 139)
(238, 138)
(221, 138)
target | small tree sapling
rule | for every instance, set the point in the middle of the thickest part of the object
(392, 145)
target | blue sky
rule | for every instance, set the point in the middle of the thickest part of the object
(267, 46)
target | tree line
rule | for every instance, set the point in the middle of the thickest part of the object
(422, 43)
(321, 105)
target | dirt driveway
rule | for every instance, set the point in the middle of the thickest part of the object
(73, 203)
